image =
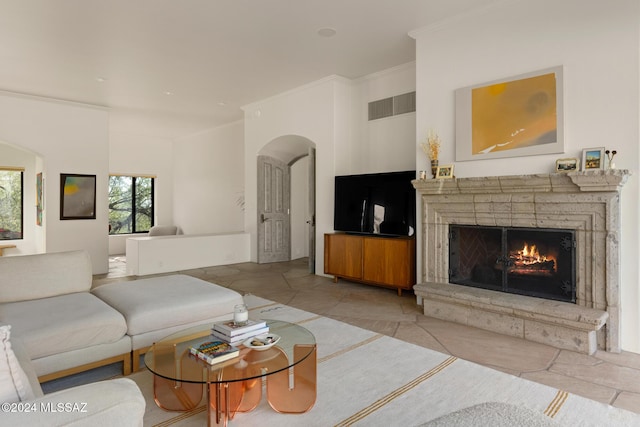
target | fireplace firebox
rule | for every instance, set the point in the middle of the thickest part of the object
(527, 261)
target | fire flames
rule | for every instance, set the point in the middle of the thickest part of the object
(529, 259)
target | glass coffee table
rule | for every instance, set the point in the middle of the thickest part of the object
(235, 385)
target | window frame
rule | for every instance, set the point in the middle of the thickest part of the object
(21, 170)
(134, 178)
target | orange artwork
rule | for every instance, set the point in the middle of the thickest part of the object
(515, 114)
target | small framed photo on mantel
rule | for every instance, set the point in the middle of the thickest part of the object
(593, 158)
(444, 172)
(567, 165)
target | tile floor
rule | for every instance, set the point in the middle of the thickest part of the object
(605, 377)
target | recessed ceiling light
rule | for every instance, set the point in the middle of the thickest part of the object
(326, 32)
(168, 92)
(101, 79)
(222, 103)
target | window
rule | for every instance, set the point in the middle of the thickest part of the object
(130, 204)
(11, 210)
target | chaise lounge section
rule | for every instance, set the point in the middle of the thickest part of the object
(159, 306)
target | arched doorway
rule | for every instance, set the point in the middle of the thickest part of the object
(286, 200)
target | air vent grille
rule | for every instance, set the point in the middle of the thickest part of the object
(405, 103)
(380, 109)
(400, 104)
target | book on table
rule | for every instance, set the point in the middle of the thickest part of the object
(238, 339)
(230, 329)
(214, 351)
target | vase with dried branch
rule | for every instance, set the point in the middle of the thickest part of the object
(432, 149)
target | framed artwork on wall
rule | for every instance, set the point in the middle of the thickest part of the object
(513, 117)
(39, 198)
(77, 196)
(593, 158)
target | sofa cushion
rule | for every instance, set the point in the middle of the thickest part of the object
(14, 384)
(161, 302)
(63, 323)
(27, 366)
(29, 277)
(117, 402)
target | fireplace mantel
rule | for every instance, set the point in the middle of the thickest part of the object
(597, 181)
(587, 202)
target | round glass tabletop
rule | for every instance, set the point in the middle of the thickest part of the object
(170, 357)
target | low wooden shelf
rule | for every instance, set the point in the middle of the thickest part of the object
(375, 260)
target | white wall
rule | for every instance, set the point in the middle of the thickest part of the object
(131, 154)
(598, 43)
(387, 144)
(70, 138)
(208, 170)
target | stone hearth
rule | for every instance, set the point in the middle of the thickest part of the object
(587, 202)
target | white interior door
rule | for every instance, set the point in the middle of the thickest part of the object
(274, 221)
(312, 210)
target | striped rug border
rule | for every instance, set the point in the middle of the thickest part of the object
(556, 404)
(396, 393)
(182, 416)
(350, 348)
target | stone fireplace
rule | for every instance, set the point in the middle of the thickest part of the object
(578, 309)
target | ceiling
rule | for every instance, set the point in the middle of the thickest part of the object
(170, 68)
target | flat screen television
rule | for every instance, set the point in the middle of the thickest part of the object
(379, 203)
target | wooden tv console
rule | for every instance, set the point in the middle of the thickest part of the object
(375, 260)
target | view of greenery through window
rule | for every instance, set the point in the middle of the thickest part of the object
(130, 204)
(10, 204)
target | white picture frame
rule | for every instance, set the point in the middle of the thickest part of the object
(593, 159)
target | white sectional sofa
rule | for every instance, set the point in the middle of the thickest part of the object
(64, 328)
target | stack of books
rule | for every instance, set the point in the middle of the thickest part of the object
(214, 351)
(232, 334)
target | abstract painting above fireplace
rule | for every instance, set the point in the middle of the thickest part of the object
(583, 204)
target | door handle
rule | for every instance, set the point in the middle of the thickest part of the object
(263, 218)
(312, 221)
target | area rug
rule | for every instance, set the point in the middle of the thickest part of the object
(368, 379)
